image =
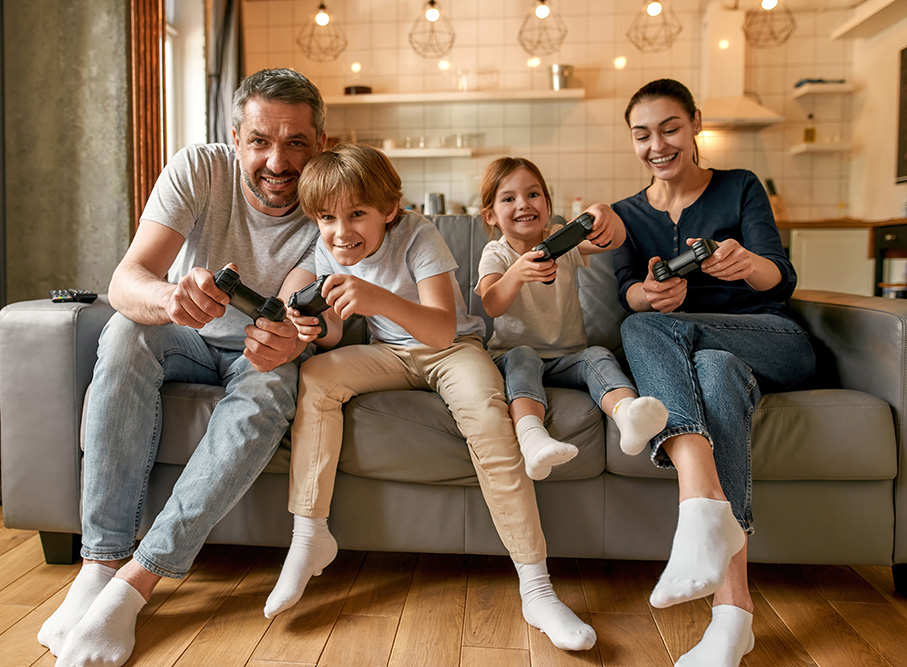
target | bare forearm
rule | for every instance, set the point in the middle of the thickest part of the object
(435, 327)
(636, 298)
(140, 295)
(766, 274)
(500, 294)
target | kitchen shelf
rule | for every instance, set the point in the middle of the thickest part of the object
(871, 17)
(820, 147)
(428, 152)
(823, 89)
(454, 96)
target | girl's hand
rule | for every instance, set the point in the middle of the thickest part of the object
(731, 261)
(349, 295)
(667, 296)
(527, 270)
(307, 327)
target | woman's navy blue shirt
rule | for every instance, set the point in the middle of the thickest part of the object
(733, 206)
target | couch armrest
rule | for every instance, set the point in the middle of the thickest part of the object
(47, 356)
(861, 344)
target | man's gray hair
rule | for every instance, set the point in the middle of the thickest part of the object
(283, 85)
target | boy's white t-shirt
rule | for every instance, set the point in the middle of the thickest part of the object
(547, 318)
(200, 196)
(412, 250)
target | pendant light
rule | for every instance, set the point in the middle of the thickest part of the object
(432, 35)
(321, 39)
(655, 27)
(543, 31)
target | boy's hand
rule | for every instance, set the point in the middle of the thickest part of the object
(527, 270)
(197, 300)
(270, 344)
(605, 226)
(307, 326)
(349, 295)
(665, 297)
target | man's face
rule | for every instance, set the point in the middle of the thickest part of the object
(274, 143)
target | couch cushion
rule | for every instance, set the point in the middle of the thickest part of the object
(410, 436)
(822, 434)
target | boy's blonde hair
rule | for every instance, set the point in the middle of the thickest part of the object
(495, 174)
(354, 173)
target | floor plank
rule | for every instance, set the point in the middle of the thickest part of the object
(10, 537)
(38, 584)
(543, 652)
(494, 616)
(230, 637)
(19, 644)
(475, 656)
(776, 645)
(881, 579)
(682, 625)
(382, 585)
(432, 619)
(630, 640)
(885, 632)
(838, 583)
(615, 586)
(363, 641)
(20, 559)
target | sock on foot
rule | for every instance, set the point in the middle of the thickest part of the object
(639, 420)
(543, 610)
(311, 550)
(540, 451)
(105, 636)
(706, 539)
(87, 585)
(728, 638)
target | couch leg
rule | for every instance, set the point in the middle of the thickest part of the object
(899, 572)
(60, 548)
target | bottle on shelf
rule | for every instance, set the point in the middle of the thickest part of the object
(809, 133)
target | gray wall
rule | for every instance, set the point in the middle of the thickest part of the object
(67, 149)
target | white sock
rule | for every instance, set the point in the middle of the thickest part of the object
(105, 636)
(543, 610)
(728, 638)
(84, 589)
(311, 550)
(540, 451)
(639, 420)
(706, 539)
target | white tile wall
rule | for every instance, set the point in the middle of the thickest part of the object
(582, 146)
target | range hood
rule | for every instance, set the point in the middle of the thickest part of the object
(724, 105)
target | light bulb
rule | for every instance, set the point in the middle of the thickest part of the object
(723, 44)
(653, 9)
(322, 18)
(356, 68)
(533, 62)
(769, 5)
(542, 10)
(432, 14)
(620, 62)
(444, 65)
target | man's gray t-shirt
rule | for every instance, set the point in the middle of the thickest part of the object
(412, 250)
(199, 195)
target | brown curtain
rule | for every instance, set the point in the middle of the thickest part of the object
(147, 29)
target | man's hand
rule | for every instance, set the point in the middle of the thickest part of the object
(270, 344)
(667, 296)
(197, 300)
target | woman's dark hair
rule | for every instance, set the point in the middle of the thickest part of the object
(671, 89)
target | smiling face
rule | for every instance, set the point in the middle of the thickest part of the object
(664, 136)
(352, 232)
(274, 143)
(520, 209)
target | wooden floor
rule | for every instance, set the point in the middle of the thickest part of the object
(419, 610)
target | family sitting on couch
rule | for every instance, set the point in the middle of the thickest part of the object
(700, 348)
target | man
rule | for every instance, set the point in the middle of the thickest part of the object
(212, 206)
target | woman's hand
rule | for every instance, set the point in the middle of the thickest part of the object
(607, 229)
(731, 261)
(667, 296)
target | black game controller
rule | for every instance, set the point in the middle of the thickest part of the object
(700, 251)
(309, 302)
(565, 239)
(248, 301)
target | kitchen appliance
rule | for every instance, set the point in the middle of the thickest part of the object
(434, 203)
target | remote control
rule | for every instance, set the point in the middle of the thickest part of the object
(248, 301)
(309, 302)
(69, 295)
(700, 251)
(565, 239)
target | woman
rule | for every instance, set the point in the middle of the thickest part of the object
(705, 344)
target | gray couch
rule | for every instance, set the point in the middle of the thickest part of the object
(825, 461)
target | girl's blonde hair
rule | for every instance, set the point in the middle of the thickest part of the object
(495, 174)
(354, 173)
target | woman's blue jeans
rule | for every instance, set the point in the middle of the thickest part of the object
(708, 370)
(123, 429)
(594, 368)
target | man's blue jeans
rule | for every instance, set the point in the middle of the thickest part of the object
(708, 370)
(123, 429)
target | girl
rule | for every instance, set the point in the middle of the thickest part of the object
(708, 362)
(396, 270)
(538, 327)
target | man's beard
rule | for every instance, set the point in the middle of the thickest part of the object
(264, 198)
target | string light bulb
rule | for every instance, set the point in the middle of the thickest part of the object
(542, 10)
(769, 5)
(432, 14)
(322, 18)
(653, 8)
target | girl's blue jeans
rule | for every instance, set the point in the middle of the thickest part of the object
(709, 371)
